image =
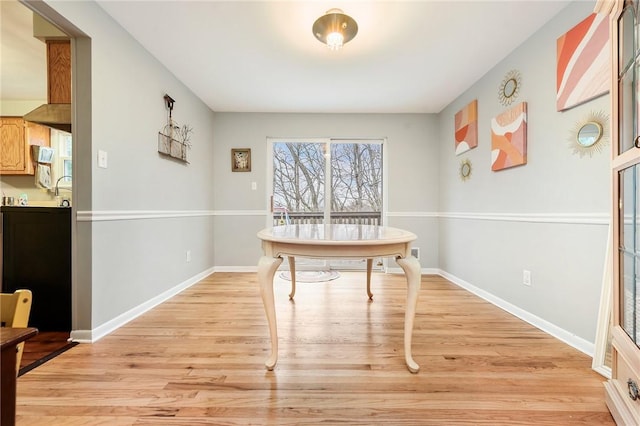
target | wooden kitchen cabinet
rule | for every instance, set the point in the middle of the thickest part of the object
(13, 150)
(16, 138)
(58, 71)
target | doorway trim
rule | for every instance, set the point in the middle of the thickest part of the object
(81, 301)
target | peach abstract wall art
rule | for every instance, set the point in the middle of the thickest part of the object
(583, 62)
(509, 138)
(466, 128)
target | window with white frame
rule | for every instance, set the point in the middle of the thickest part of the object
(62, 143)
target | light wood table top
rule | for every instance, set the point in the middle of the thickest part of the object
(336, 234)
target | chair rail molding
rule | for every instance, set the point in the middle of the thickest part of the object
(567, 218)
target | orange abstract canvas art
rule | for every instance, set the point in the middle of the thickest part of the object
(509, 138)
(466, 128)
(583, 62)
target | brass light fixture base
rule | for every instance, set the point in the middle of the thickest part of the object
(334, 21)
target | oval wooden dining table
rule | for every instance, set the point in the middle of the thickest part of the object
(337, 241)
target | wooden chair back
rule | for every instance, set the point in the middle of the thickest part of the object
(14, 312)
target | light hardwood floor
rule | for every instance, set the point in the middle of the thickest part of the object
(199, 359)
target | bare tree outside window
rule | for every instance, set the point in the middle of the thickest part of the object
(356, 172)
(299, 177)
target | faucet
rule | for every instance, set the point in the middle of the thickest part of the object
(57, 190)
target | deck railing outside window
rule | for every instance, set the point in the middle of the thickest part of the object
(356, 218)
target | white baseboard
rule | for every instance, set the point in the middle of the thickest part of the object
(80, 336)
(570, 339)
(90, 336)
(236, 268)
(603, 371)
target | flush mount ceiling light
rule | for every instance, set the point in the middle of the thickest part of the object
(335, 28)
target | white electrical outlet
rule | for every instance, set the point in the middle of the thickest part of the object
(526, 277)
(415, 252)
(188, 256)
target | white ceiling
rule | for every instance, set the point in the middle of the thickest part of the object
(23, 62)
(261, 56)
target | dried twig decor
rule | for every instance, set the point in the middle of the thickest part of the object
(173, 139)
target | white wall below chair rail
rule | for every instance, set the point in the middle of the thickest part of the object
(571, 339)
(90, 336)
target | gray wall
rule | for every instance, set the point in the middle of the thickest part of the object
(559, 202)
(138, 217)
(412, 175)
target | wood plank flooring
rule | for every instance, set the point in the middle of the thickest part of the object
(199, 359)
(41, 346)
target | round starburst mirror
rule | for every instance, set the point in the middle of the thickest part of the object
(509, 88)
(465, 170)
(590, 135)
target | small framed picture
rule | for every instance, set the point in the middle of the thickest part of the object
(241, 159)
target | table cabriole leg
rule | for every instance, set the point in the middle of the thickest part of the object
(267, 267)
(369, 267)
(411, 268)
(292, 270)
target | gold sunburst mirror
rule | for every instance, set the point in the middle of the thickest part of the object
(590, 135)
(465, 169)
(510, 87)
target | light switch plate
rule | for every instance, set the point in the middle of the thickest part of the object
(102, 159)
